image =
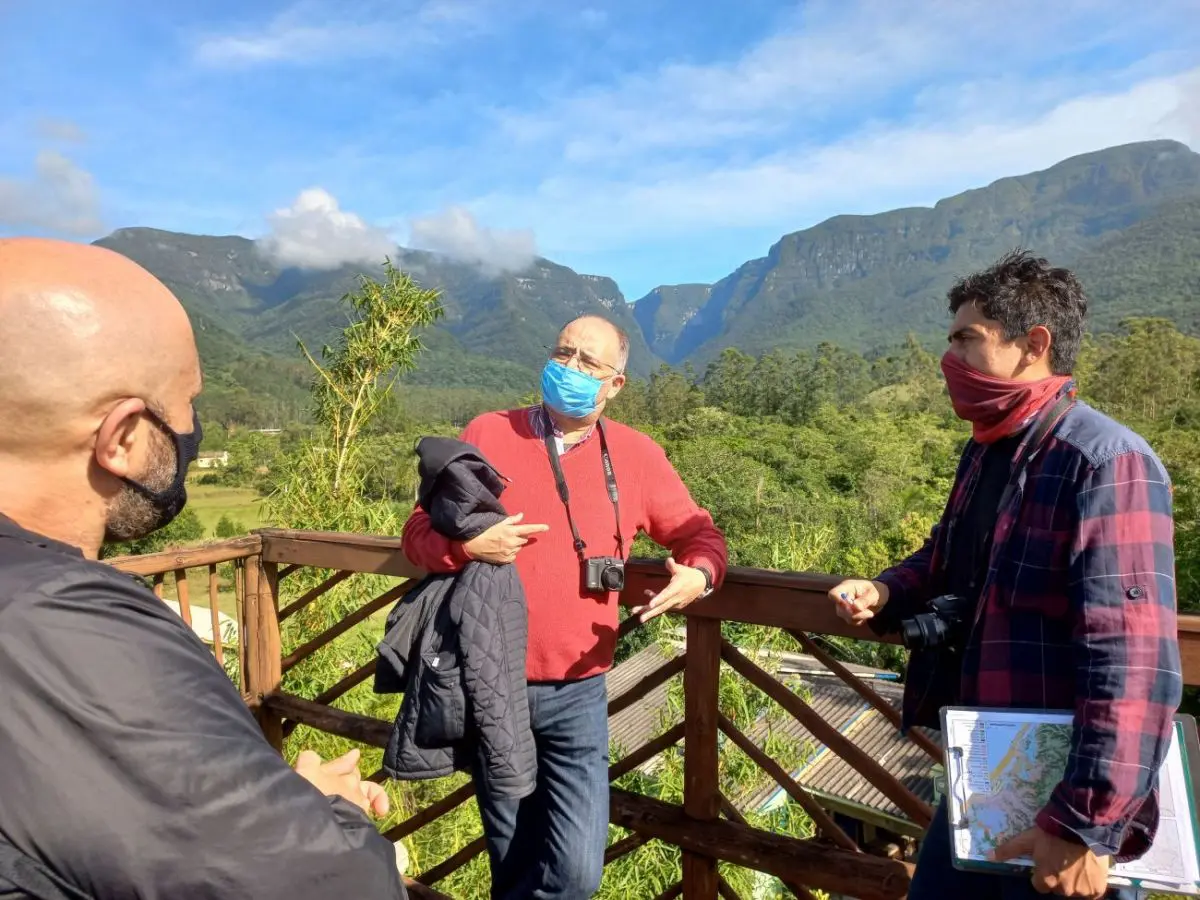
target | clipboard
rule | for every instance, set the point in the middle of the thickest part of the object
(999, 763)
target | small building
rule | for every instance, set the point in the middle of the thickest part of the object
(212, 459)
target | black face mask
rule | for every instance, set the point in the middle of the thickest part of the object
(171, 501)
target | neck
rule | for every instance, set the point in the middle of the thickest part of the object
(1038, 372)
(63, 514)
(572, 430)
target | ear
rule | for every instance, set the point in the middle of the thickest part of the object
(118, 438)
(1037, 345)
(614, 386)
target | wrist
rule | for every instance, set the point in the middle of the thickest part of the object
(884, 593)
(708, 579)
(460, 552)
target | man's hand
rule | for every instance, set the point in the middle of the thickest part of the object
(500, 543)
(1060, 867)
(340, 778)
(857, 600)
(686, 585)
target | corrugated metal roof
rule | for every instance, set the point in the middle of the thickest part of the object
(823, 771)
(827, 773)
(649, 717)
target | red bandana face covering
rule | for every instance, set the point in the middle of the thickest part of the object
(995, 407)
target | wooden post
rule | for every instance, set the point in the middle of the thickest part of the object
(263, 654)
(701, 789)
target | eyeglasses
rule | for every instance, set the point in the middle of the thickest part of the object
(587, 363)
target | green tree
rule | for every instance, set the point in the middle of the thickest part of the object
(322, 484)
(672, 395)
(251, 458)
(728, 381)
(228, 528)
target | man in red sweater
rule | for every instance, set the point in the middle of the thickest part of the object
(580, 489)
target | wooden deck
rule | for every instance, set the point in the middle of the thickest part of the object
(260, 570)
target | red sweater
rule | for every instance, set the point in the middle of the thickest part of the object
(572, 634)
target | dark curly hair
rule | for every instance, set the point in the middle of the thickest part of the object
(1022, 291)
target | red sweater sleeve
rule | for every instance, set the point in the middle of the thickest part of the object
(426, 548)
(675, 521)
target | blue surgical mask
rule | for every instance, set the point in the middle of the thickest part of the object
(569, 391)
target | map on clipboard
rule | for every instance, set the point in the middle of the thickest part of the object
(1002, 765)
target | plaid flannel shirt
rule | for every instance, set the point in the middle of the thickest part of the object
(1077, 612)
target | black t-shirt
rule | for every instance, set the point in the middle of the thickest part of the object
(972, 538)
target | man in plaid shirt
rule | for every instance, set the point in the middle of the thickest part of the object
(1058, 541)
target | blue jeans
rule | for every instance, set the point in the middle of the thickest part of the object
(937, 879)
(551, 843)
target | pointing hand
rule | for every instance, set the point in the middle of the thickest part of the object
(501, 543)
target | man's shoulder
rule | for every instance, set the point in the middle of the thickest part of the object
(499, 423)
(1100, 439)
(43, 588)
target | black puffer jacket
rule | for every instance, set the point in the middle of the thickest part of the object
(455, 644)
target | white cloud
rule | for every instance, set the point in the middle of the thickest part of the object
(314, 233)
(50, 128)
(455, 233)
(832, 59)
(877, 168)
(307, 34)
(60, 197)
(1186, 115)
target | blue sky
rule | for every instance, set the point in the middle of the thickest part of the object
(656, 141)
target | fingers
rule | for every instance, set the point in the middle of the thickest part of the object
(654, 610)
(854, 601)
(307, 760)
(376, 797)
(514, 520)
(344, 764)
(664, 601)
(1018, 845)
(523, 531)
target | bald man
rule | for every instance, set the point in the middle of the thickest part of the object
(581, 488)
(129, 765)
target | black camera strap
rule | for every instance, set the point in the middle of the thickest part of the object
(610, 479)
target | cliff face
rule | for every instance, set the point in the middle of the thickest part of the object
(864, 280)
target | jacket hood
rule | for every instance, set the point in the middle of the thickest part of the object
(459, 488)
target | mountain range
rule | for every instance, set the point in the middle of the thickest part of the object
(1126, 219)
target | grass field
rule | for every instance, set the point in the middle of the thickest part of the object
(242, 505)
(211, 501)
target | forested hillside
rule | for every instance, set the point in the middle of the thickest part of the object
(1127, 218)
(862, 280)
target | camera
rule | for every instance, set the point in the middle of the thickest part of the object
(944, 624)
(604, 573)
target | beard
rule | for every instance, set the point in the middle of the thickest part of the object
(132, 515)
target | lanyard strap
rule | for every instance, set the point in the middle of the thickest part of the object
(610, 479)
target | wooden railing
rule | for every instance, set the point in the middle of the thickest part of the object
(707, 827)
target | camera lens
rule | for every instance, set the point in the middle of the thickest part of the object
(612, 578)
(910, 633)
(922, 630)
